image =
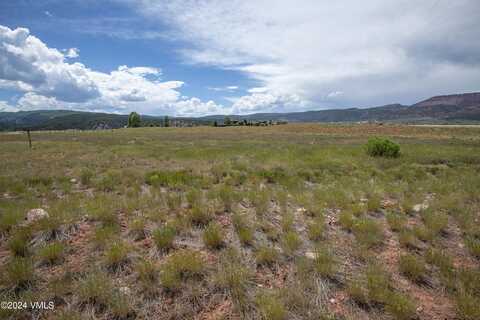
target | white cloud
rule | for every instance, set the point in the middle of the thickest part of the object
(49, 82)
(224, 88)
(6, 107)
(26, 62)
(376, 51)
(48, 14)
(72, 53)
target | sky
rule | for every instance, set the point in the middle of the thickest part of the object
(203, 57)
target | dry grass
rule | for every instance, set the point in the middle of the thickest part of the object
(283, 222)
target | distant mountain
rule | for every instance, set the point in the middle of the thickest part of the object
(440, 109)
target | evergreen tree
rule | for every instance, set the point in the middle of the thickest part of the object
(134, 120)
(166, 121)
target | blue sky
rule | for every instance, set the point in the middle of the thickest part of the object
(204, 57)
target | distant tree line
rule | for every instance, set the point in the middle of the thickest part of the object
(234, 123)
(135, 121)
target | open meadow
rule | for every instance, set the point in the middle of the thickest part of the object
(282, 222)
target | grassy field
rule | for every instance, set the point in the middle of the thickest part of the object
(282, 222)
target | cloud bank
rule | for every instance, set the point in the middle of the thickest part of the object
(331, 54)
(48, 81)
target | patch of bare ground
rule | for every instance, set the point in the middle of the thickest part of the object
(454, 245)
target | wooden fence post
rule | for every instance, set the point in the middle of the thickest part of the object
(29, 139)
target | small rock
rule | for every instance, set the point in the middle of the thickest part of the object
(419, 207)
(332, 300)
(301, 210)
(36, 214)
(125, 290)
(363, 200)
(310, 255)
(73, 180)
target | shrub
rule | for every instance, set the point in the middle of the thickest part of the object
(270, 307)
(382, 147)
(266, 255)
(164, 236)
(51, 253)
(213, 235)
(435, 222)
(412, 267)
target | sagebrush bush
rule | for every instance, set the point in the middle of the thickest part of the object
(382, 147)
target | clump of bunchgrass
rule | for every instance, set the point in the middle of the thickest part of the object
(116, 255)
(290, 242)
(180, 265)
(234, 277)
(324, 262)
(51, 253)
(96, 289)
(200, 215)
(266, 255)
(396, 221)
(270, 306)
(163, 237)
(242, 227)
(368, 232)
(400, 306)
(316, 228)
(18, 243)
(18, 272)
(412, 267)
(137, 228)
(213, 236)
